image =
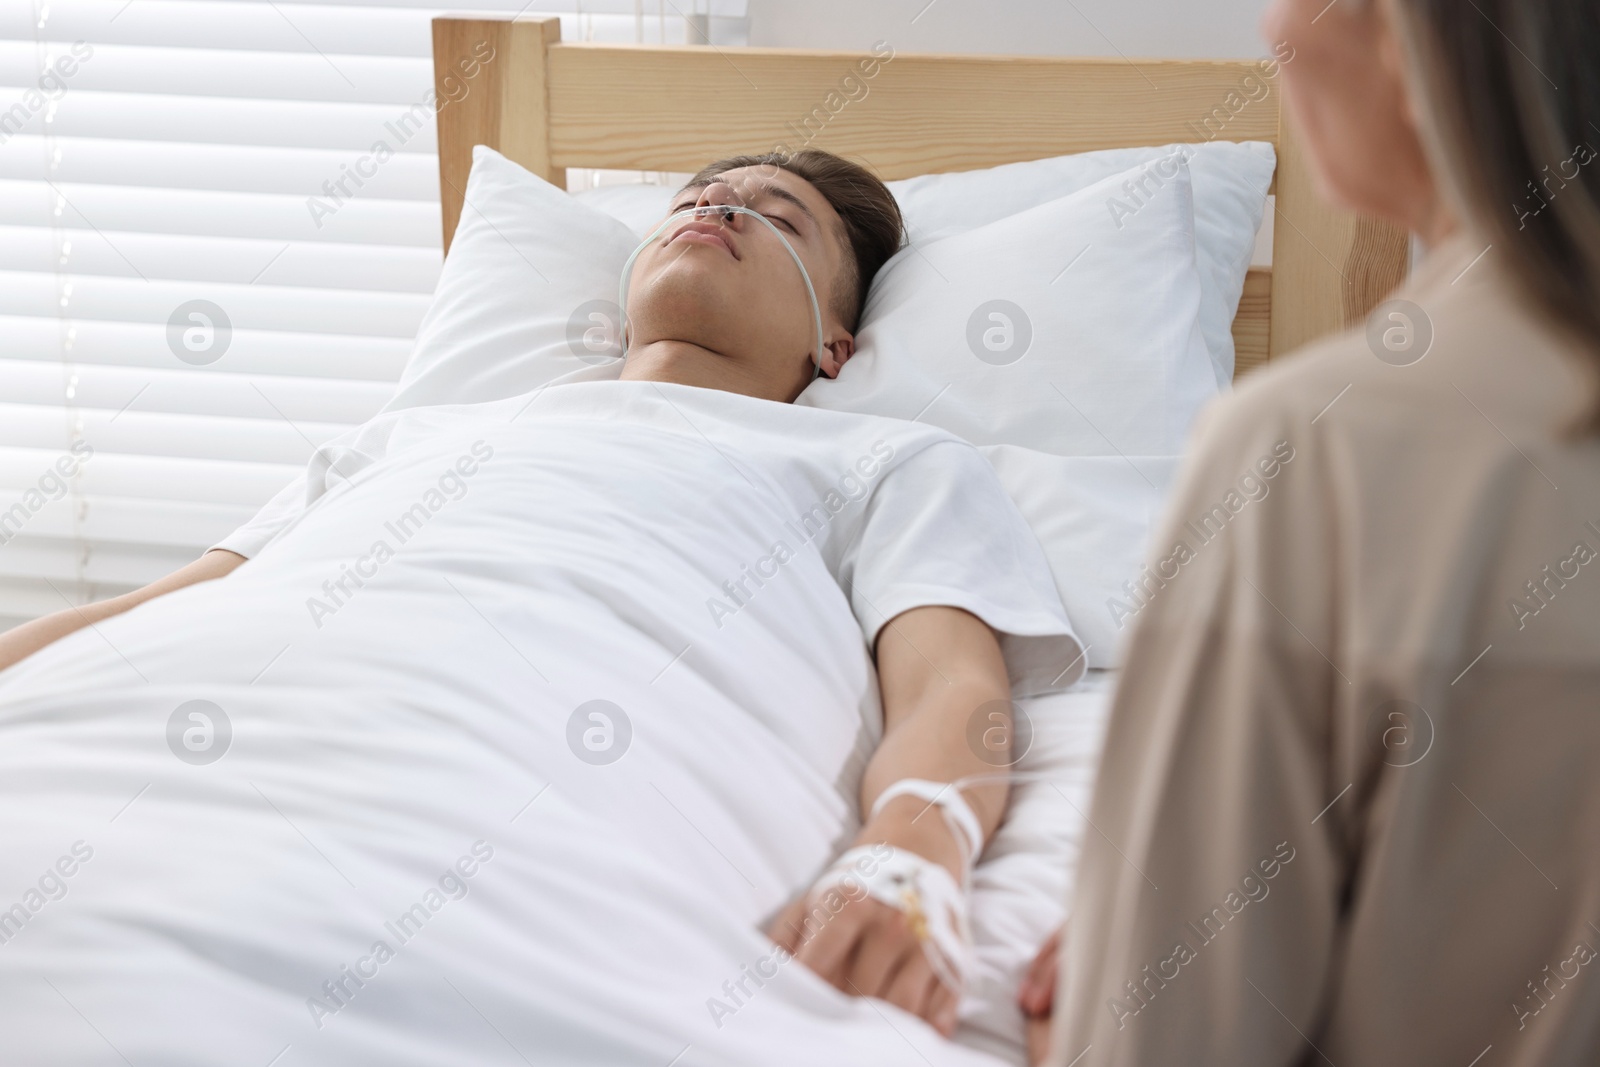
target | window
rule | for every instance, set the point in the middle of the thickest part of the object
(188, 301)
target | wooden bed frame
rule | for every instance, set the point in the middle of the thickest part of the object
(550, 105)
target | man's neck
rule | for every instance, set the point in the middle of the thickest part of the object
(684, 363)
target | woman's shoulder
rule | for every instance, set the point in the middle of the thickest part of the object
(1450, 360)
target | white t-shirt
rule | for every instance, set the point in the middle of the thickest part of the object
(901, 515)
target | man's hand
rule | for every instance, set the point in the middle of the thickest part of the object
(867, 949)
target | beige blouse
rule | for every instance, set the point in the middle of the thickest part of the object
(1349, 807)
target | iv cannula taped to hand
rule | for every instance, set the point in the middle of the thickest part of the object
(725, 212)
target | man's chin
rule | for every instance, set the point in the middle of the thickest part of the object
(685, 293)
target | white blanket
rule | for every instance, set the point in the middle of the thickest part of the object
(423, 842)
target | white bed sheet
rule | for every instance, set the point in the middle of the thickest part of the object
(561, 912)
(1021, 889)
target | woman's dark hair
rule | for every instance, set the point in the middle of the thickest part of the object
(872, 223)
(1511, 94)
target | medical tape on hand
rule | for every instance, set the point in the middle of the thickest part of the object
(946, 796)
(724, 210)
(934, 905)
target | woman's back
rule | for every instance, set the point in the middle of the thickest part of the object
(1347, 810)
(1363, 705)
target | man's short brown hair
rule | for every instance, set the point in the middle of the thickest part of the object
(871, 217)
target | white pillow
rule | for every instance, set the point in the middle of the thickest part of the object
(1061, 328)
(1067, 330)
(1230, 193)
(532, 266)
(527, 296)
(638, 206)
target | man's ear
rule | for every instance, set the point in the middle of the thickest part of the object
(836, 353)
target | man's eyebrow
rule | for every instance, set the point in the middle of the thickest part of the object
(766, 188)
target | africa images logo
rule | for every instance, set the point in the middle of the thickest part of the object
(199, 732)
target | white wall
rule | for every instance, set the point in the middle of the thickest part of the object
(1212, 29)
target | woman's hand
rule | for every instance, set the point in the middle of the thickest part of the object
(1038, 996)
(866, 948)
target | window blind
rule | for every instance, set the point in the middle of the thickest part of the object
(179, 325)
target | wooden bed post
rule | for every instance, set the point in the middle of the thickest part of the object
(504, 103)
(1329, 269)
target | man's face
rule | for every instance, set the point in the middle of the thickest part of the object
(725, 283)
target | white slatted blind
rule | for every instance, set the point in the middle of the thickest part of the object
(155, 153)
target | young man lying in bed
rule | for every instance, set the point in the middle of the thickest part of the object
(682, 555)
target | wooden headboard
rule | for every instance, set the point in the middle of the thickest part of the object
(550, 105)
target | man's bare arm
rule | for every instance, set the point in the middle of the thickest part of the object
(936, 667)
(20, 642)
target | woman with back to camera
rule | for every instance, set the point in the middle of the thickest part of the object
(1348, 806)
